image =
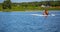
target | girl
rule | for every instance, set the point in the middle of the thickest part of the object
(45, 12)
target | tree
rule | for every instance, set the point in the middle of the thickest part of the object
(6, 4)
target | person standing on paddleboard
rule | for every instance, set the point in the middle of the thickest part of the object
(46, 12)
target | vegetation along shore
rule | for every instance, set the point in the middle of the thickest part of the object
(29, 6)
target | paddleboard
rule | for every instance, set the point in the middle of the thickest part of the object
(42, 15)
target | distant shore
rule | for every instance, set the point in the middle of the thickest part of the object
(29, 9)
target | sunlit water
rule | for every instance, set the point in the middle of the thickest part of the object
(27, 22)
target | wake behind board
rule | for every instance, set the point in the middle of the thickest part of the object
(42, 15)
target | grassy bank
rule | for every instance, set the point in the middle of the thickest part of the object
(29, 8)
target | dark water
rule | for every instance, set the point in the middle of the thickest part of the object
(25, 22)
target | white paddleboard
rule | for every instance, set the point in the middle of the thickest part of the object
(42, 15)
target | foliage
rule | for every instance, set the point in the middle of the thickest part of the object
(29, 5)
(6, 4)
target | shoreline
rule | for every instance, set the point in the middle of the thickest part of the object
(31, 11)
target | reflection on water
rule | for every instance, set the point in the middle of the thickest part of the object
(25, 22)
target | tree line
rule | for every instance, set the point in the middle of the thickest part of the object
(9, 4)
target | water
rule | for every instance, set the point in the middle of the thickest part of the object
(26, 22)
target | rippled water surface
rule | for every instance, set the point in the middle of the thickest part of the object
(27, 22)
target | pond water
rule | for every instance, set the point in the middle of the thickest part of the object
(27, 22)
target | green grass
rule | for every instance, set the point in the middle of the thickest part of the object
(28, 8)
